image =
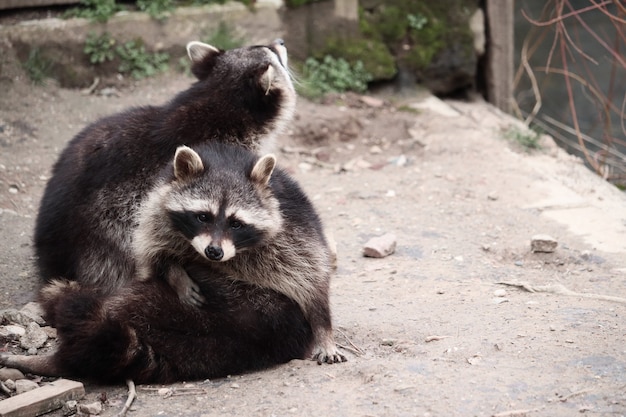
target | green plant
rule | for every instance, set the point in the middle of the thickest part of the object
(99, 48)
(528, 139)
(37, 67)
(157, 9)
(224, 37)
(417, 21)
(139, 63)
(333, 75)
(97, 10)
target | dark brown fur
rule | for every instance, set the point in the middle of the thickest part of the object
(145, 333)
(87, 215)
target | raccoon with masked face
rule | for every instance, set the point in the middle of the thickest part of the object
(248, 236)
(87, 215)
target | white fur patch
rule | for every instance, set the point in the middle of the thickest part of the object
(201, 242)
(195, 205)
(265, 220)
(229, 249)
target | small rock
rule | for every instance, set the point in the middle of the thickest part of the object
(50, 331)
(388, 342)
(234, 385)
(94, 408)
(10, 373)
(499, 293)
(376, 149)
(13, 331)
(379, 247)
(69, 408)
(493, 196)
(14, 316)
(34, 337)
(543, 243)
(399, 161)
(34, 312)
(25, 385)
(164, 392)
(10, 384)
(371, 101)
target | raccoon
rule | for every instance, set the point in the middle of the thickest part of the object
(245, 219)
(246, 233)
(87, 215)
(143, 331)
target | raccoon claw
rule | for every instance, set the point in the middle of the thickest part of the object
(329, 357)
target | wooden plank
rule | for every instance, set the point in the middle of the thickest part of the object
(500, 54)
(42, 400)
(19, 4)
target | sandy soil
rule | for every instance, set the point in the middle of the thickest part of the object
(424, 331)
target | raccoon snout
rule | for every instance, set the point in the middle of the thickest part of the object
(214, 253)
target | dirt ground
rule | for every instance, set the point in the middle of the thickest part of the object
(428, 330)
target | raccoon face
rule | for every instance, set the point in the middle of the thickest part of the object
(217, 236)
(220, 210)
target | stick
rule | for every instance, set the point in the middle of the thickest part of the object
(355, 349)
(562, 290)
(132, 394)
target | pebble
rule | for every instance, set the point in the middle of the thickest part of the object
(10, 373)
(69, 408)
(25, 385)
(371, 101)
(34, 312)
(12, 331)
(94, 408)
(499, 293)
(381, 246)
(10, 384)
(543, 243)
(34, 338)
(14, 316)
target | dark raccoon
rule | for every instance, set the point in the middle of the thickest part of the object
(87, 215)
(145, 333)
(245, 232)
(245, 219)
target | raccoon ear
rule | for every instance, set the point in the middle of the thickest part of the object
(202, 58)
(262, 170)
(266, 78)
(198, 51)
(187, 164)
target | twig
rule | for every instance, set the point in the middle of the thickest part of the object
(435, 338)
(562, 290)
(354, 349)
(573, 394)
(515, 413)
(132, 394)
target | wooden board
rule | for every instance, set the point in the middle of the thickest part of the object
(42, 400)
(19, 4)
(500, 54)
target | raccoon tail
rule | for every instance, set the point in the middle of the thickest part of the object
(92, 342)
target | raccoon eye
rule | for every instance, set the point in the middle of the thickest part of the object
(203, 217)
(236, 224)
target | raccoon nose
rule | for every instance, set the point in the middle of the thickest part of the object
(214, 253)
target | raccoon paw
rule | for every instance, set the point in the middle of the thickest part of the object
(187, 289)
(191, 294)
(331, 355)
